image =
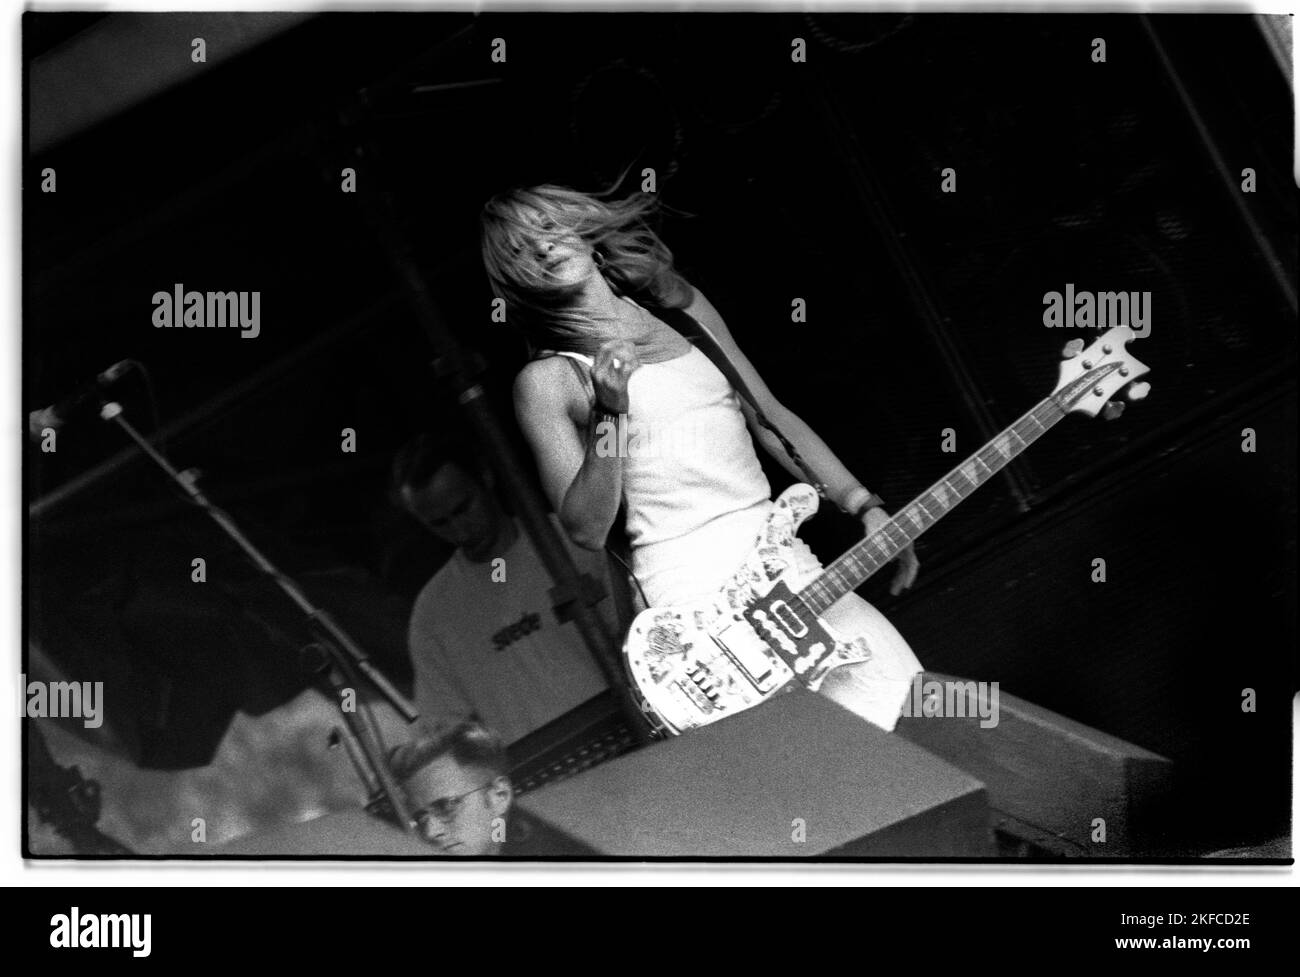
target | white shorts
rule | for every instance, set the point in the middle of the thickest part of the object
(689, 569)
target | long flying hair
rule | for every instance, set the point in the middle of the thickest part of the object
(636, 263)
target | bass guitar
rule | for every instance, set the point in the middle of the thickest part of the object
(695, 664)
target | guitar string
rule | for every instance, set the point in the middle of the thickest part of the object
(858, 557)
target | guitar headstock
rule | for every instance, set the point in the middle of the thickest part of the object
(1090, 377)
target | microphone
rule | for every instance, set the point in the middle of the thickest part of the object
(58, 414)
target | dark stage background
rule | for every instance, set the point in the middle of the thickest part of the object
(817, 180)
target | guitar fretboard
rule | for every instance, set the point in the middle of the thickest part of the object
(876, 550)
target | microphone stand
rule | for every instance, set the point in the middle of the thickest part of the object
(341, 655)
(336, 672)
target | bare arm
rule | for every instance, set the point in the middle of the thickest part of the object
(583, 482)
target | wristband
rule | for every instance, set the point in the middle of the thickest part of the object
(859, 501)
(873, 501)
(599, 408)
(602, 417)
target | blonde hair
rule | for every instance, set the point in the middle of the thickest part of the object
(636, 263)
(470, 744)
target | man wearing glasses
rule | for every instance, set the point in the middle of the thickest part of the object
(459, 790)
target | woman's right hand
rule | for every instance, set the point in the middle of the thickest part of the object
(615, 363)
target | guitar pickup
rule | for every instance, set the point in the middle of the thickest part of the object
(696, 695)
(748, 652)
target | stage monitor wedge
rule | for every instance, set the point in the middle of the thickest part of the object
(796, 777)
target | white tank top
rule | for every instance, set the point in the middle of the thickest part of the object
(688, 457)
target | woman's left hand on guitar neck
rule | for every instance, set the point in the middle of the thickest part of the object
(908, 565)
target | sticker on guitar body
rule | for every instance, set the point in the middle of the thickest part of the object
(697, 663)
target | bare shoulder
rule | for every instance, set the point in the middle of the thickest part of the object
(542, 379)
(548, 384)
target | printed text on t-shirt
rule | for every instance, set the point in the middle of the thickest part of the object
(509, 635)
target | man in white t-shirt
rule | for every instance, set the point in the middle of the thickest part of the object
(484, 638)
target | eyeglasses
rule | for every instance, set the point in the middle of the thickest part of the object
(443, 809)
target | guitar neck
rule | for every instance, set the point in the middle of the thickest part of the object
(876, 550)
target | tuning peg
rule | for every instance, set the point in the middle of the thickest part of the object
(1138, 390)
(1112, 410)
(1072, 349)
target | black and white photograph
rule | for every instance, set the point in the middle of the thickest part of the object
(825, 436)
